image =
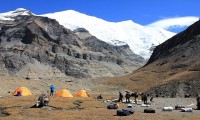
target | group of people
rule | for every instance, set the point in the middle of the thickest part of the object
(128, 95)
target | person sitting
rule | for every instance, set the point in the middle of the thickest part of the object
(99, 97)
(19, 93)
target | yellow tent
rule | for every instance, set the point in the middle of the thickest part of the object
(82, 93)
(64, 93)
(23, 90)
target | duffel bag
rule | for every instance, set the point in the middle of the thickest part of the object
(149, 110)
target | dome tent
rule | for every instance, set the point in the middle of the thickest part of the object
(82, 93)
(64, 93)
(24, 91)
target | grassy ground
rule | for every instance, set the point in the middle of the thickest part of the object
(18, 108)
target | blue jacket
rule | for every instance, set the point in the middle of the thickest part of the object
(52, 87)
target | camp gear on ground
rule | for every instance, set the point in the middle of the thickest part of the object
(82, 93)
(105, 101)
(186, 109)
(123, 112)
(149, 110)
(130, 110)
(131, 101)
(115, 100)
(167, 108)
(145, 105)
(178, 107)
(23, 91)
(64, 93)
(43, 100)
(129, 106)
(112, 106)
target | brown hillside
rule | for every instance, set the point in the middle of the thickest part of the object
(172, 70)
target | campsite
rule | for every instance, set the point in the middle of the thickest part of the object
(63, 106)
(99, 60)
(89, 109)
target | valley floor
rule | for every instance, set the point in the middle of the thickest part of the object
(19, 108)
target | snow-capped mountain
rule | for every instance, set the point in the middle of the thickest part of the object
(139, 38)
(11, 14)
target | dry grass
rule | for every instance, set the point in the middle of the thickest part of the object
(18, 108)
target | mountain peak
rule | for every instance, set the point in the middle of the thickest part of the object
(138, 37)
(11, 14)
(21, 9)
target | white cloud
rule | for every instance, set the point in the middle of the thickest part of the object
(171, 22)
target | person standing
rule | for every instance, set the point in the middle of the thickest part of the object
(52, 88)
(145, 98)
(136, 96)
(198, 102)
(120, 97)
(128, 95)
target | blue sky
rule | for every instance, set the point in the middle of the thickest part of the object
(140, 11)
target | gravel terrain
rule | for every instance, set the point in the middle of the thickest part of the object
(90, 109)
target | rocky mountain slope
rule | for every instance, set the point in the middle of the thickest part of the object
(180, 56)
(173, 70)
(38, 47)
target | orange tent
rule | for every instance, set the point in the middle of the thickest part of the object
(82, 93)
(64, 93)
(23, 90)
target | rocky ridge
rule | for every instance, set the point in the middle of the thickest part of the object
(40, 48)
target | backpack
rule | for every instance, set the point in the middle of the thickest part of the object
(178, 107)
(186, 109)
(112, 106)
(149, 110)
(123, 112)
(128, 95)
(130, 110)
